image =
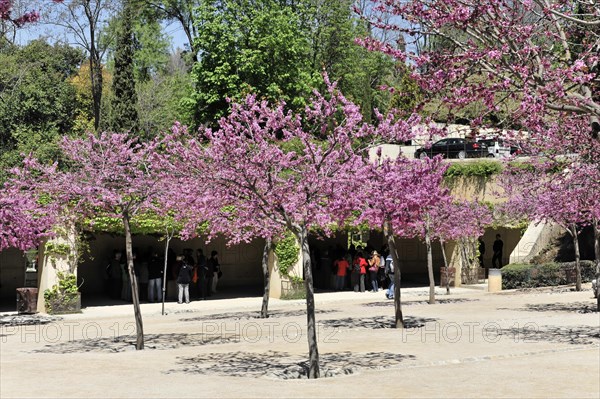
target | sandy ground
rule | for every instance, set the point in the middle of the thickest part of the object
(539, 343)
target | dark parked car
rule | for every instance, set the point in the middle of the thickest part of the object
(453, 148)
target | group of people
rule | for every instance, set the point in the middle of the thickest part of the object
(195, 277)
(497, 248)
(200, 275)
(364, 270)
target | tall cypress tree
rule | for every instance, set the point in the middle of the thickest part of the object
(124, 101)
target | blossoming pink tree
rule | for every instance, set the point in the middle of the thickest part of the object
(202, 202)
(114, 174)
(463, 222)
(426, 218)
(545, 191)
(6, 8)
(533, 59)
(529, 63)
(393, 195)
(267, 167)
(584, 177)
(24, 218)
(581, 168)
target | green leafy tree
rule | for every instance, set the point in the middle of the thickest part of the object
(124, 101)
(278, 50)
(161, 77)
(161, 99)
(151, 45)
(249, 46)
(36, 100)
(332, 27)
(180, 12)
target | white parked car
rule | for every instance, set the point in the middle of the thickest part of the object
(498, 149)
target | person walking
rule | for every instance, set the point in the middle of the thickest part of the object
(201, 270)
(389, 271)
(155, 274)
(214, 267)
(184, 278)
(115, 275)
(481, 250)
(497, 248)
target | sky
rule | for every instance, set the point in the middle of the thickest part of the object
(37, 30)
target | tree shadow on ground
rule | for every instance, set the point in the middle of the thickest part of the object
(570, 307)
(375, 322)
(26, 320)
(561, 289)
(125, 343)
(254, 315)
(575, 335)
(440, 301)
(283, 365)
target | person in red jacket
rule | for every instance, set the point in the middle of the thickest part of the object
(342, 266)
(359, 270)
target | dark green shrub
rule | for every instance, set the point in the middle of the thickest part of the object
(544, 275)
(588, 269)
(516, 276)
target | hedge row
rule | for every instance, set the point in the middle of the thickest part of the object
(547, 274)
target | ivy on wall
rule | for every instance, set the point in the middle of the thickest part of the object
(483, 169)
(140, 224)
(287, 252)
(56, 249)
(63, 294)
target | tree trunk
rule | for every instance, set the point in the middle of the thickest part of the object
(95, 65)
(577, 260)
(597, 253)
(313, 350)
(465, 272)
(139, 345)
(446, 266)
(469, 267)
(430, 267)
(168, 237)
(264, 312)
(389, 235)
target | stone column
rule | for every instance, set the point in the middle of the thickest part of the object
(276, 279)
(50, 263)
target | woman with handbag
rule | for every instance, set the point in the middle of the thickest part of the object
(374, 262)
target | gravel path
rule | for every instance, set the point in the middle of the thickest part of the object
(534, 343)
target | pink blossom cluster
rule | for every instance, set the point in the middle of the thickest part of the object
(539, 54)
(6, 7)
(25, 218)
